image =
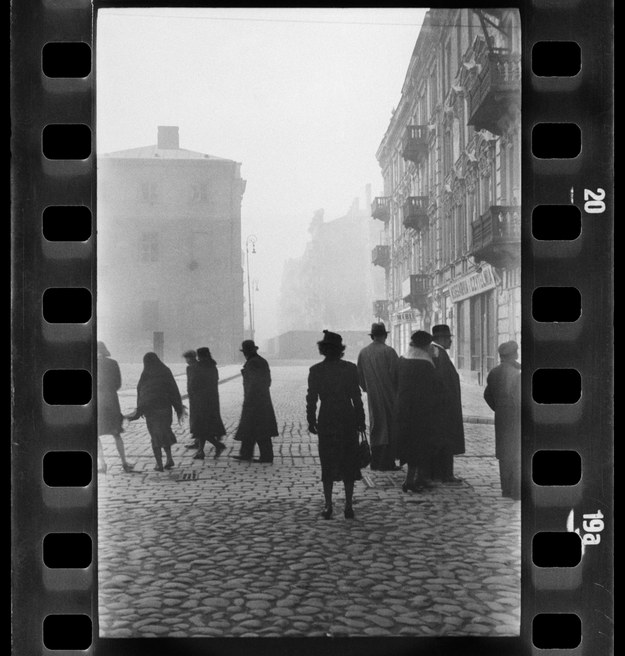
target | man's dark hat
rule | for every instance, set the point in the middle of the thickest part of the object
(334, 339)
(441, 330)
(421, 339)
(248, 345)
(203, 352)
(508, 348)
(378, 329)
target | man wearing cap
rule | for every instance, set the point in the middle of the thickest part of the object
(258, 420)
(377, 375)
(503, 395)
(450, 426)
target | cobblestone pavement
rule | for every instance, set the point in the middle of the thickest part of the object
(224, 548)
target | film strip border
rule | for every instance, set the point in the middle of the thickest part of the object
(567, 327)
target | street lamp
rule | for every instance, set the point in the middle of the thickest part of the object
(251, 239)
(254, 289)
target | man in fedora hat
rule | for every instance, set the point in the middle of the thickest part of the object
(450, 425)
(503, 395)
(258, 420)
(377, 375)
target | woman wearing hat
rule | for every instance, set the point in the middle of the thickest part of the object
(334, 383)
(109, 412)
(157, 394)
(417, 408)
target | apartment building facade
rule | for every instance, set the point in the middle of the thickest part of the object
(450, 215)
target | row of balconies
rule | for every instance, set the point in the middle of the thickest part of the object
(495, 236)
(414, 211)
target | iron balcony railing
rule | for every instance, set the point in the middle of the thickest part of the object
(415, 143)
(380, 255)
(381, 208)
(415, 212)
(496, 235)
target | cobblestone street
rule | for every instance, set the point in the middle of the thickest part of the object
(225, 548)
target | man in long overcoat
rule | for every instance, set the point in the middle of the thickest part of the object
(377, 375)
(190, 358)
(450, 425)
(205, 422)
(258, 420)
(503, 395)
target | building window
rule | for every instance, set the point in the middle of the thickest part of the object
(149, 247)
(148, 192)
(149, 315)
(199, 193)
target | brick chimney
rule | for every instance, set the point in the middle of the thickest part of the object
(168, 137)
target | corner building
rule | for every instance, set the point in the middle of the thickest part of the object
(170, 273)
(450, 212)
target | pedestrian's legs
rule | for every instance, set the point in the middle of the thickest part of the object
(119, 443)
(247, 448)
(199, 454)
(170, 461)
(515, 479)
(265, 448)
(349, 493)
(156, 450)
(411, 473)
(101, 461)
(219, 446)
(327, 493)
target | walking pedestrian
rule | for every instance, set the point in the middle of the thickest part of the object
(157, 394)
(334, 383)
(503, 395)
(450, 425)
(417, 411)
(110, 418)
(205, 422)
(377, 374)
(258, 419)
(190, 357)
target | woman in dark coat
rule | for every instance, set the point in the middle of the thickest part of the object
(417, 408)
(205, 422)
(109, 413)
(157, 394)
(334, 383)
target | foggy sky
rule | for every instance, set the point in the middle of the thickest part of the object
(301, 97)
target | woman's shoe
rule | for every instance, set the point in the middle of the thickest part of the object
(169, 464)
(349, 512)
(327, 512)
(412, 487)
(158, 468)
(219, 449)
(128, 467)
(198, 456)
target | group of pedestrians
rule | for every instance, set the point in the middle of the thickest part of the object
(414, 402)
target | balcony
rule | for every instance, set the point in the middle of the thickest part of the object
(496, 88)
(415, 290)
(380, 256)
(415, 211)
(496, 236)
(380, 310)
(414, 145)
(381, 208)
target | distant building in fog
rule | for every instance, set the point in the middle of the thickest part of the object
(450, 210)
(170, 273)
(332, 284)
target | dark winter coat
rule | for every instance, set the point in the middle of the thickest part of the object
(109, 411)
(503, 395)
(450, 425)
(417, 410)
(203, 387)
(258, 419)
(334, 384)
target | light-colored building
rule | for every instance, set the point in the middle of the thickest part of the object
(170, 273)
(450, 210)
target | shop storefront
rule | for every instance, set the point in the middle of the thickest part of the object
(474, 298)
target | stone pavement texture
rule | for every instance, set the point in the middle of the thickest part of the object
(223, 548)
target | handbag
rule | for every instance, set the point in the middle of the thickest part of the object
(364, 451)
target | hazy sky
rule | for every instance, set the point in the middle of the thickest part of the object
(300, 96)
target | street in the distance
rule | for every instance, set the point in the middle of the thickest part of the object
(226, 548)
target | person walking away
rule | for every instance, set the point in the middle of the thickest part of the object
(503, 395)
(417, 412)
(377, 375)
(334, 384)
(190, 357)
(205, 421)
(451, 427)
(110, 418)
(258, 419)
(157, 394)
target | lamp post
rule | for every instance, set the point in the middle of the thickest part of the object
(254, 289)
(251, 239)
